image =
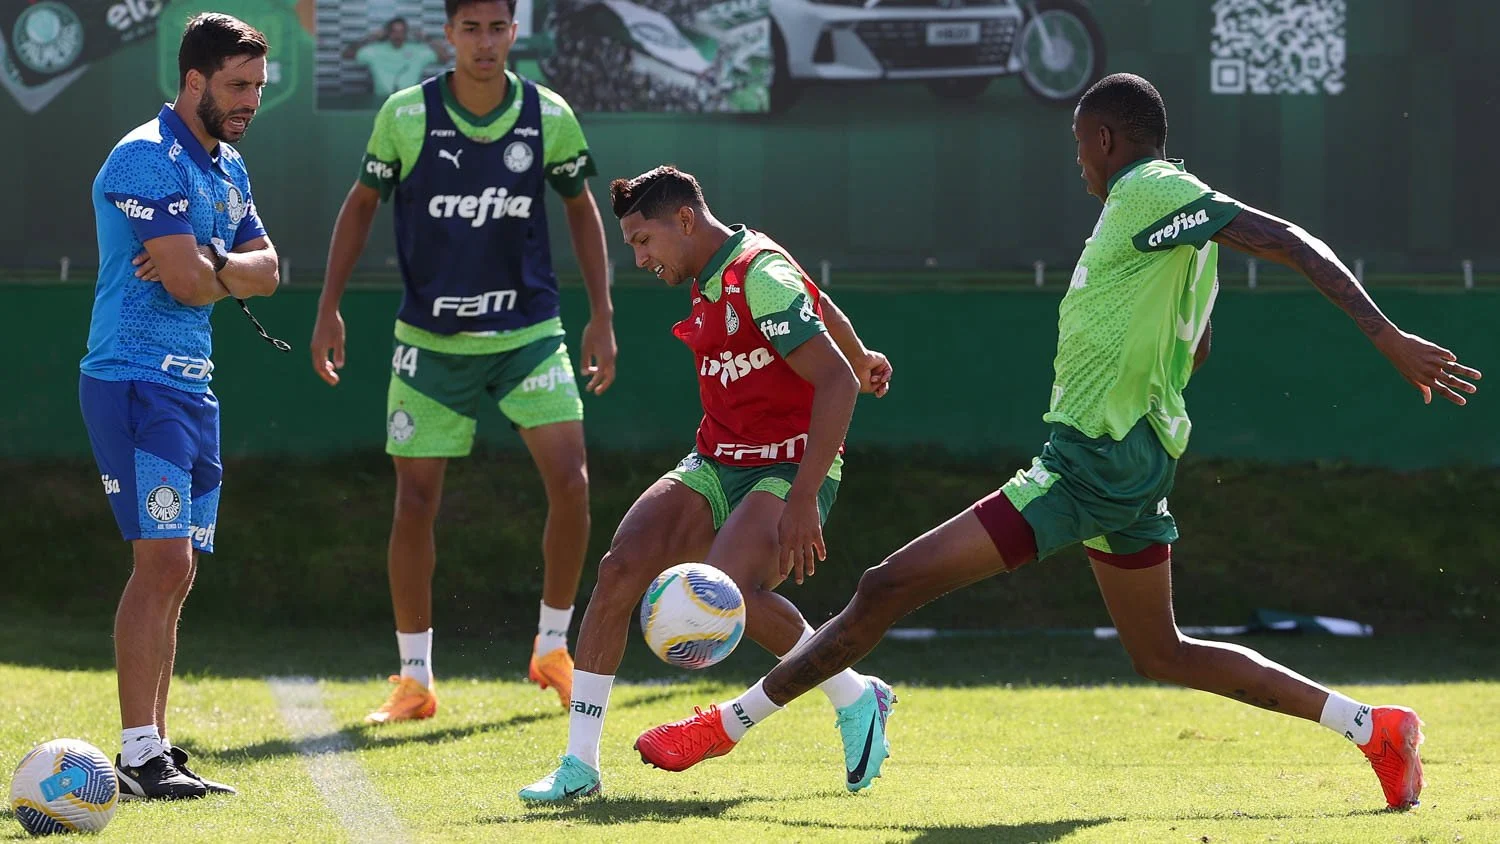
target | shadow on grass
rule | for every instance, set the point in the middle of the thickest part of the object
(357, 737)
(621, 810)
(612, 810)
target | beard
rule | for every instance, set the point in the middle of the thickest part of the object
(215, 119)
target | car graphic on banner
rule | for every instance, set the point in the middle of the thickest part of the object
(958, 47)
(758, 55)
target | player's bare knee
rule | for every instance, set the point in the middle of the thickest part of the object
(165, 568)
(417, 501)
(751, 582)
(1159, 661)
(624, 575)
(768, 581)
(569, 488)
(881, 584)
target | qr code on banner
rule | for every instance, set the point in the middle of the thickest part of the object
(1278, 47)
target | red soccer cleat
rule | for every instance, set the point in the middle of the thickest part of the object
(682, 744)
(1392, 751)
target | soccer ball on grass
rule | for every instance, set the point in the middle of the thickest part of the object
(65, 785)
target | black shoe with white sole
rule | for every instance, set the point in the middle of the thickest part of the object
(156, 778)
(180, 759)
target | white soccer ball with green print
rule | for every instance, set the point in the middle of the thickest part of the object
(693, 615)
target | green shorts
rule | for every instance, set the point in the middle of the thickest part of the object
(726, 486)
(435, 397)
(1111, 496)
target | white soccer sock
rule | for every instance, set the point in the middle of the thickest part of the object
(416, 655)
(586, 720)
(1349, 718)
(166, 746)
(843, 688)
(137, 744)
(552, 629)
(747, 710)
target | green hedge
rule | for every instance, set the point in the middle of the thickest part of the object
(303, 542)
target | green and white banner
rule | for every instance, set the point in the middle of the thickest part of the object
(695, 56)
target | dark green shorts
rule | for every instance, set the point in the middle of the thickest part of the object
(434, 397)
(726, 486)
(1111, 496)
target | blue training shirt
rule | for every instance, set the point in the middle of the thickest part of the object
(159, 180)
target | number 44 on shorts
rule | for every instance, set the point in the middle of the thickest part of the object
(405, 360)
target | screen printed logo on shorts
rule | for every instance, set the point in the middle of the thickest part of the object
(164, 504)
(401, 426)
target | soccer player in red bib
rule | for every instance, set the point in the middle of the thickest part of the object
(779, 368)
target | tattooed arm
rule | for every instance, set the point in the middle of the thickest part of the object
(1425, 365)
(1274, 239)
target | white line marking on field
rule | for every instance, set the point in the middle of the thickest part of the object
(329, 760)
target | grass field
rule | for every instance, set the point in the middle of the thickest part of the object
(1023, 738)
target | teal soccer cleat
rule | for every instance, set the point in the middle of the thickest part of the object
(572, 779)
(862, 727)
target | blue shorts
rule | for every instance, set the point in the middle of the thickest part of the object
(158, 454)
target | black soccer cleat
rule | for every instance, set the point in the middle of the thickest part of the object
(156, 779)
(180, 759)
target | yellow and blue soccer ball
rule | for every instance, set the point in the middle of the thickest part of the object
(65, 785)
(693, 615)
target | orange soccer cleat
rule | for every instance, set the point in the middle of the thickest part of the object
(1392, 751)
(409, 701)
(682, 744)
(554, 669)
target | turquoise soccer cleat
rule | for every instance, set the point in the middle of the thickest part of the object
(572, 779)
(862, 727)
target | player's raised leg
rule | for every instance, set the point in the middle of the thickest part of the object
(1137, 589)
(560, 456)
(747, 549)
(668, 524)
(410, 564)
(960, 551)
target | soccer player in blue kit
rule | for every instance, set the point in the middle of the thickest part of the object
(177, 232)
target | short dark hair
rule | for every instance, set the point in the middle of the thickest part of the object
(1132, 105)
(210, 39)
(655, 193)
(393, 21)
(452, 6)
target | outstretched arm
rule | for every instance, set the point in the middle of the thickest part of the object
(1425, 365)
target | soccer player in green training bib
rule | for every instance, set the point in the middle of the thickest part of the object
(1131, 329)
(466, 158)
